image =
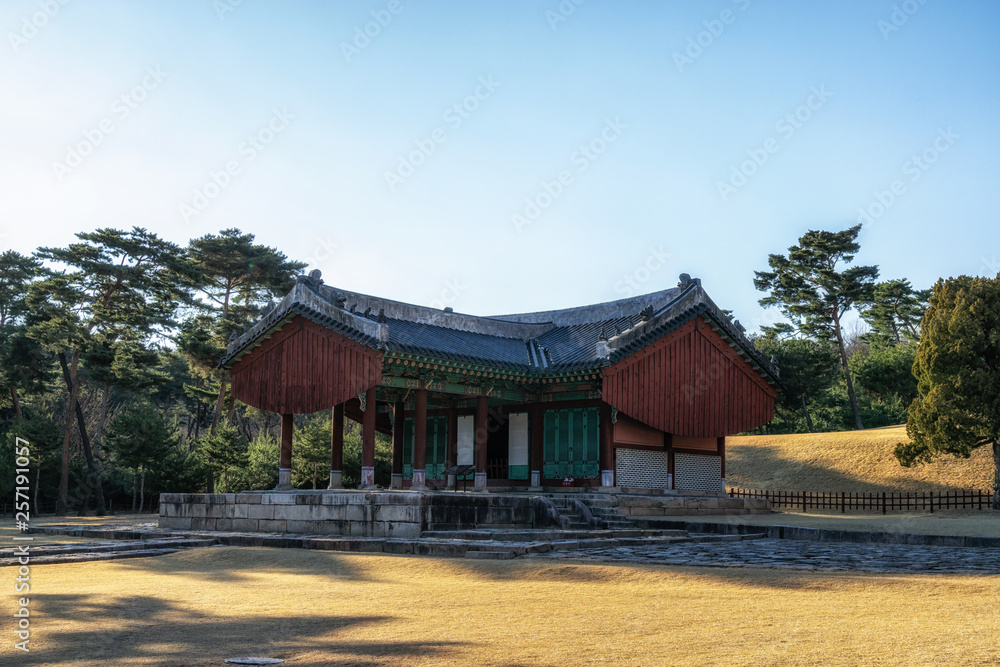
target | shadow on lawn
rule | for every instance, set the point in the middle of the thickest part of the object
(238, 564)
(152, 628)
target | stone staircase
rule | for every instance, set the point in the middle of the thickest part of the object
(588, 511)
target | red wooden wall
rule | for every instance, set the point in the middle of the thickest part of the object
(691, 383)
(304, 368)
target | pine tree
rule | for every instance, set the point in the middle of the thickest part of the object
(810, 290)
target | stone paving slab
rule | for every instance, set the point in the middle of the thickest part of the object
(800, 555)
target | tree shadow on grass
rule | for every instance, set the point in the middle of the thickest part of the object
(140, 627)
(236, 564)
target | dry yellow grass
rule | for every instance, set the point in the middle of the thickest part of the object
(847, 461)
(199, 607)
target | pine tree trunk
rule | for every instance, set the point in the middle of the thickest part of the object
(101, 421)
(232, 408)
(805, 410)
(94, 481)
(135, 486)
(63, 502)
(847, 376)
(996, 474)
(142, 487)
(219, 405)
(17, 403)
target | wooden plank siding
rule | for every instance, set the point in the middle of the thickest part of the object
(304, 368)
(690, 383)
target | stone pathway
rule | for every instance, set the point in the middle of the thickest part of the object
(800, 555)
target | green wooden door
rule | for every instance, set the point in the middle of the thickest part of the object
(436, 455)
(571, 444)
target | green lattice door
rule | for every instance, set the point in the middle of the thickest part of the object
(571, 444)
(437, 447)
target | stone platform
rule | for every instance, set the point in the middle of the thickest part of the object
(387, 514)
(353, 513)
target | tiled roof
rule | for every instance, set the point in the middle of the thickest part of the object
(586, 337)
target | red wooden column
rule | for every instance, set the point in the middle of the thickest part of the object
(420, 442)
(671, 463)
(285, 456)
(482, 434)
(451, 453)
(722, 460)
(337, 448)
(398, 420)
(606, 453)
(368, 441)
(536, 441)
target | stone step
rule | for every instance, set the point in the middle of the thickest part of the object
(80, 557)
(102, 547)
(491, 555)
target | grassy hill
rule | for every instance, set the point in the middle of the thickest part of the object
(846, 461)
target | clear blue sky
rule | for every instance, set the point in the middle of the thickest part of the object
(666, 120)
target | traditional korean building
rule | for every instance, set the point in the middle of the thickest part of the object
(638, 393)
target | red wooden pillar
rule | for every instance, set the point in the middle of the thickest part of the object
(368, 441)
(606, 453)
(671, 463)
(420, 442)
(536, 441)
(451, 453)
(398, 420)
(285, 456)
(482, 435)
(722, 461)
(337, 448)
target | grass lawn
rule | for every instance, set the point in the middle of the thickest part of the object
(847, 461)
(199, 607)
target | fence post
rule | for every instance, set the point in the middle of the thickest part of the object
(804, 501)
(883, 502)
(932, 502)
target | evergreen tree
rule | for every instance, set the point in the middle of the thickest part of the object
(810, 290)
(311, 450)
(958, 375)
(223, 452)
(807, 367)
(140, 438)
(895, 311)
(120, 285)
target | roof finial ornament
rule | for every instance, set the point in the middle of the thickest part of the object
(368, 313)
(233, 336)
(604, 334)
(339, 300)
(381, 319)
(646, 313)
(313, 279)
(686, 280)
(742, 329)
